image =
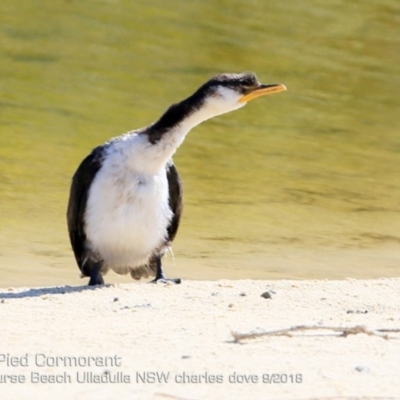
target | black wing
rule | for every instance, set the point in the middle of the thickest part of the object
(78, 196)
(175, 199)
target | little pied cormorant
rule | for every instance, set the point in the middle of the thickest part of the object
(126, 197)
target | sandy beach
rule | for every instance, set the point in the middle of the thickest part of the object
(142, 341)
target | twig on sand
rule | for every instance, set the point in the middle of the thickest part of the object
(345, 331)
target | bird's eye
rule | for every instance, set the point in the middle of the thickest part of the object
(217, 92)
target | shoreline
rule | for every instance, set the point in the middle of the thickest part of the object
(177, 341)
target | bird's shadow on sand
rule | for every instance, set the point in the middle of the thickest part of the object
(37, 292)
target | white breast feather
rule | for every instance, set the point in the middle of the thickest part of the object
(127, 212)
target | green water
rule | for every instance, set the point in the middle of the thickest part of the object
(302, 184)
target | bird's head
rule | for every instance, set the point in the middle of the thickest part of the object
(221, 94)
(227, 92)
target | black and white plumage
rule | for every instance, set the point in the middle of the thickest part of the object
(126, 197)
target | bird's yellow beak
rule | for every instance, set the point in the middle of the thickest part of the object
(262, 91)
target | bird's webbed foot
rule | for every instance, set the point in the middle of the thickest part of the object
(161, 277)
(175, 281)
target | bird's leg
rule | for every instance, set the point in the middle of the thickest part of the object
(95, 275)
(160, 275)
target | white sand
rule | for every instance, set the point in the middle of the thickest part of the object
(186, 329)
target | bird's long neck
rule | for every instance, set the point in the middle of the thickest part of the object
(161, 139)
(151, 148)
(178, 120)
